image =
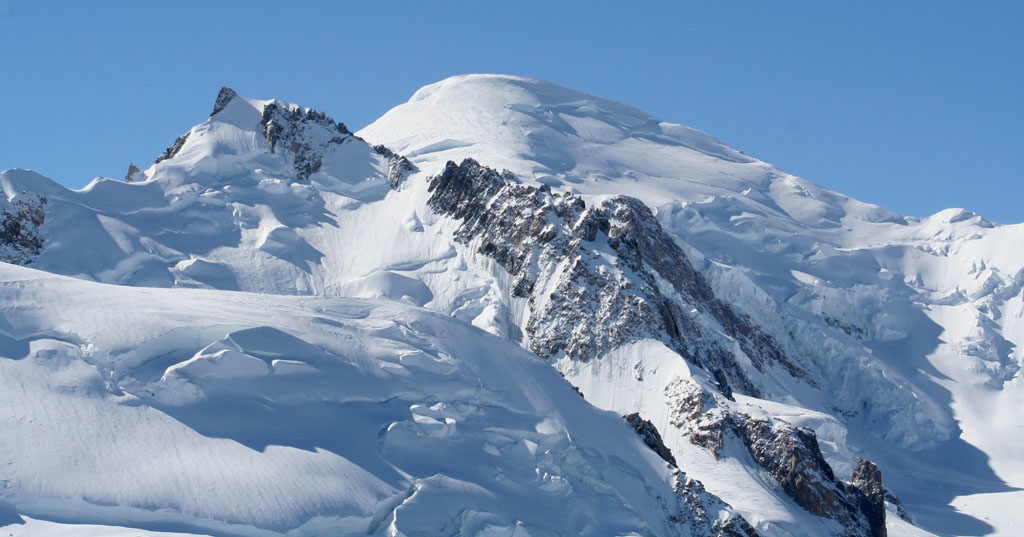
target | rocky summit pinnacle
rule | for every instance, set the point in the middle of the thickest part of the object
(223, 98)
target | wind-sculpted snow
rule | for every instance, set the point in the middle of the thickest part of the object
(235, 414)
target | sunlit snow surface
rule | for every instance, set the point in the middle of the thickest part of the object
(910, 326)
(227, 413)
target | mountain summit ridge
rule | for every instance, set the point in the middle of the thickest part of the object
(850, 332)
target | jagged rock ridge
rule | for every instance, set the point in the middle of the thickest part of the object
(302, 134)
(791, 456)
(610, 266)
(701, 512)
(224, 97)
(651, 437)
(694, 504)
(599, 277)
(173, 149)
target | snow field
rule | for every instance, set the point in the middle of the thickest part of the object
(391, 420)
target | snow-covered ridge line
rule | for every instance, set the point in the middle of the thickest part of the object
(904, 332)
(304, 135)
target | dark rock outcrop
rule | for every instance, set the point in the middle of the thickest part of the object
(134, 174)
(901, 510)
(651, 437)
(398, 166)
(20, 241)
(223, 98)
(173, 150)
(791, 455)
(701, 511)
(598, 277)
(867, 478)
(304, 135)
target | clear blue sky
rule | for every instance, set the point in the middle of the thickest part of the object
(915, 105)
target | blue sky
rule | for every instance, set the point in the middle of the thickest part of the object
(916, 106)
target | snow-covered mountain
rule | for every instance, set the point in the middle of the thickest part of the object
(806, 358)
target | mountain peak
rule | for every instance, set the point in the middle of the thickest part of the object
(551, 134)
(504, 86)
(225, 96)
(306, 135)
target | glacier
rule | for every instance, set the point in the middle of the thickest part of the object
(177, 350)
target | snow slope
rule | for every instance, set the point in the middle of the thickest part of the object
(911, 325)
(226, 413)
(905, 330)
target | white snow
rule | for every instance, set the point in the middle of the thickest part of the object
(852, 290)
(392, 420)
(138, 407)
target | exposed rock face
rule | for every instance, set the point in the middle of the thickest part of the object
(598, 277)
(223, 98)
(173, 150)
(901, 510)
(695, 508)
(20, 241)
(304, 135)
(134, 174)
(701, 511)
(791, 455)
(651, 437)
(398, 166)
(868, 479)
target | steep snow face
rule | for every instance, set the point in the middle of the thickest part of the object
(910, 325)
(906, 330)
(238, 414)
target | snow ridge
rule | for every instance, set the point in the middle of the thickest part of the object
(759, 323)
